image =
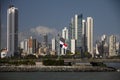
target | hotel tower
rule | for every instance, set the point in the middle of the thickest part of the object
(90, 35)
(12, 30)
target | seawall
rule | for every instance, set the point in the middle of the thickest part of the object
(29, 68)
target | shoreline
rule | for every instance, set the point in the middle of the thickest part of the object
(29, 68)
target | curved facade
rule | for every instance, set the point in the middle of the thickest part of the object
(12, 30)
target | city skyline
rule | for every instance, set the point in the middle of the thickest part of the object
(78, 32)
(38, 16)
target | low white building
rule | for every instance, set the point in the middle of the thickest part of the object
(73, 44)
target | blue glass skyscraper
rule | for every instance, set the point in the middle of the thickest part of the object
(75, 31)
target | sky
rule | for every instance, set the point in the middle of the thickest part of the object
(37, 17)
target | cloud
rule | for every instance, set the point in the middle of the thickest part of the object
(40, 30)
(37, 33)
(22, 36)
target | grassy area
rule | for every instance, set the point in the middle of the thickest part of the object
(50, 62)
(16, 62)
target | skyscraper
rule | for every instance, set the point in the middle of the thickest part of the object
(65, 33)
(30, 45)
(103, 46)
(118, 48)
(112, 45)
(83, 27)
(84, 38)
(54, 44)
(35, 46)
(0, 26)
(71, 33)
(90, 35)
(12, 30)
(24, 45)
(78, 30)
(45, 40)
(75, 32)
(73, 46)
(65, 36)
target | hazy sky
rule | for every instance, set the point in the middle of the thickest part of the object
(38, 16)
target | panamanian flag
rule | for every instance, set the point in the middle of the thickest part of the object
(62, 43)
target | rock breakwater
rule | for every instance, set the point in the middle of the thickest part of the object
(55, 69)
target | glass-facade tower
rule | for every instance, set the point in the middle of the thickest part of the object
(12, 30)
(75, 31)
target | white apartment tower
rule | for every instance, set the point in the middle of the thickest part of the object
(90, 35)
(12, 30)
(24, 45)
(65, 33)
(54, 44)
(118, 48)
(73, 46)
(65, 36)
(112, 46)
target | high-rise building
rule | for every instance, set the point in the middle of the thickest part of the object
(12, 30)
(54, 44)
(83, 27)
(104, 52)
(33, 46)
(71, 33)
(24, 45)
(84, 38)
(118, 48)
(78, 30)
(75, 32)
(72, 29)
(90, 35)
(30, 45)
(112, 45)
(73, 46)
(45, 40)
(65, 33)
(0, 26)
(102, 49)
(65, 36)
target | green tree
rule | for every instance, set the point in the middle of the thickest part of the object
(88, 55)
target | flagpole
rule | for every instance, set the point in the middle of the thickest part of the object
(60, 45)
